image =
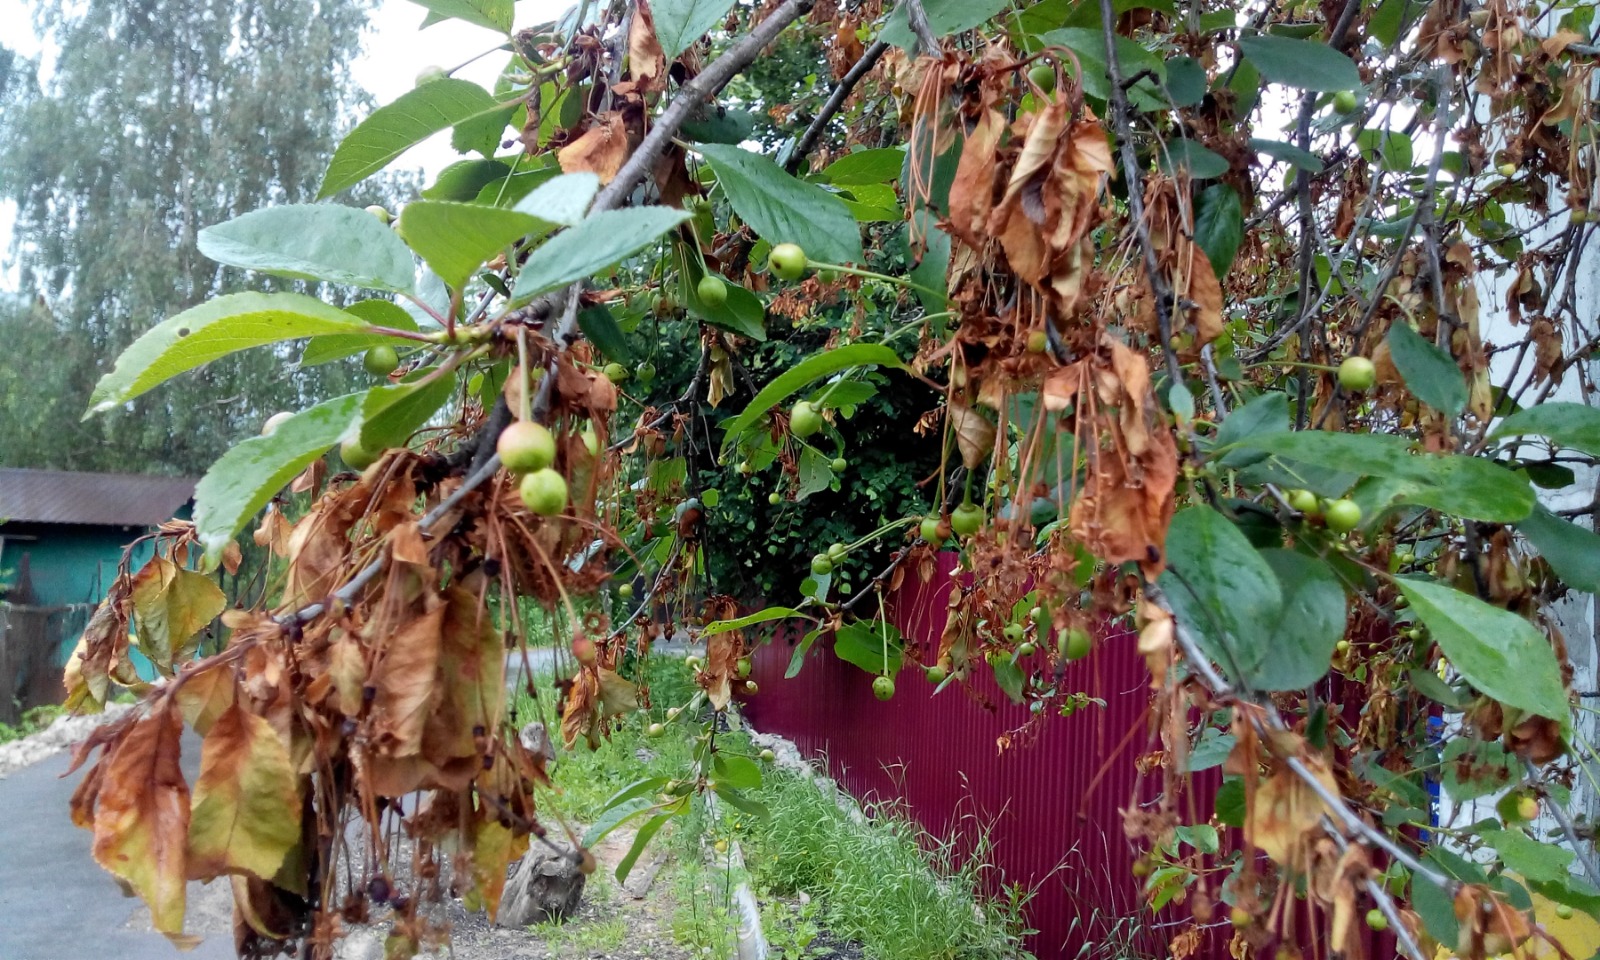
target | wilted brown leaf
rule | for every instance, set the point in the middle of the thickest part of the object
(1287, 813)
(647, 63)
(601, 149)
(405, 680)
(974, 434)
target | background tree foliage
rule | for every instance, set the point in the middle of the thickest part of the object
(156, 119)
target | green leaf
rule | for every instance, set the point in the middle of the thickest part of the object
(1307, 64)
(1223, 591)
(1431, 686)
(782, 209)
(599, 242)
(1219, 225)
(1408, 792)
(929, 271)
(391, 414)
(1387, 20)
(1201, 162)
(1394, 146)
(214, 329)
(638, 788)
(866, 166)
(1212, 750)
(816, 473)
(1288, 153)
(1186, 81)
(1008, 677)
(457, 238)
(492, 14)
(862, 643)
(393, 129)
(1476, 768)
(1266, 414)
(1435, 906)
(802, 374)
(1230, 803)
(314, 241)
(1573, 425)
(1201, 836)
(1522, 854)
(760, 616)
(719, 124)
(641, 840)
(741, 312)
(600, 328)
(337, 346)
(614, 817)
(242, 480)
(797, 660)
(1089, 45)
(463, 179)
(1572, 551)
(1462, 486)
(740, 802)
(1308, 625)
(561, 201)
(944, 16)
(735, 771)
(1428, 371)
(1501, 654)
(679, 23)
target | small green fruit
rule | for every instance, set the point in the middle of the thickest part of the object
(1037, 341)
(625, 591)
(1345, 102)
(1013, 632)
(837, 551)
(544, 492)
(1040, 617)
(1304, 501)
(1357, 374)
(743, 667)
(1507, 170)
(721, 846)
(693, 663)
(1376, 920)
(804, 420)
(591, 441)
(1026, 649)
(774, 498)
(711, 289)
(646, 372)
(381, 360)
(526, 446)
(883, 688)
(821, 565)
(656, 730)
(615, 372)
(937, 674)
(357, 456)
(750, 687)
(430, 74)
(839, 464)
(1076, 644)
(828, 276)
(745, 468)
(929, 530)
(1342, 646)
(274, 422)
(966, 519)
(767, 756)
(1564, 911)
(787, 261)
(1239, 917)
(673, 712)
(1043, 77)
(377, 210)
(1528, 808)
(1341, 516)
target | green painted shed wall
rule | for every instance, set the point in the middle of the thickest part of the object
(68, 564)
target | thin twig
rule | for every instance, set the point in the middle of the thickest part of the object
(917, 20)
(841, 93)
(1560, 813)
(672, 406)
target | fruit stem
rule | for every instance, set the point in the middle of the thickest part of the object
(853, 271)
(524, 399)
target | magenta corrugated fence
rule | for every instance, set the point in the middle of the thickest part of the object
(1052, 802)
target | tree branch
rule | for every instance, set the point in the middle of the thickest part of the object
(841, 93)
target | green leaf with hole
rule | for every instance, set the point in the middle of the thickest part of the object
(397, 127)
(944, 17)
(455, 239)
(391, 414)
(679, 23)
(1428, 371)
(802, 375)
(866, 166)
(1500, 653)
(1572, 551)
(1219, 225)
(1307, 64)
(214, 329)
(242, 480)
(314, 241)
(1462, 486)
(491, 14)
(782, 209)
(1222, 590)
(1565, 424)
(601, 241)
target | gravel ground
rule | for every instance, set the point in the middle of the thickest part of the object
(59, 736)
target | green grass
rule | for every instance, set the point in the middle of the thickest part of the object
(597, 936)
(32, 721)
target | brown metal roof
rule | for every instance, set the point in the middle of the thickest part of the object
(110, 499)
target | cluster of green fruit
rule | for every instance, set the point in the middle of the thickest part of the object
(1341, 515)
(528, 449)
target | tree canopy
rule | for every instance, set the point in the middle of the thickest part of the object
(1236, 327)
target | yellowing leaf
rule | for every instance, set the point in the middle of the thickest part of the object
(974, 434)
(171, 606)
(204, 694)
(246, 812)
(141, 819)
(1287, 812)
(405, 682)
(493, 849)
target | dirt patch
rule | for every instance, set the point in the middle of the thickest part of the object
(59, 736)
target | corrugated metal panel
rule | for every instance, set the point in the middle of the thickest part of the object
(109, 499)
(1053, 806)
